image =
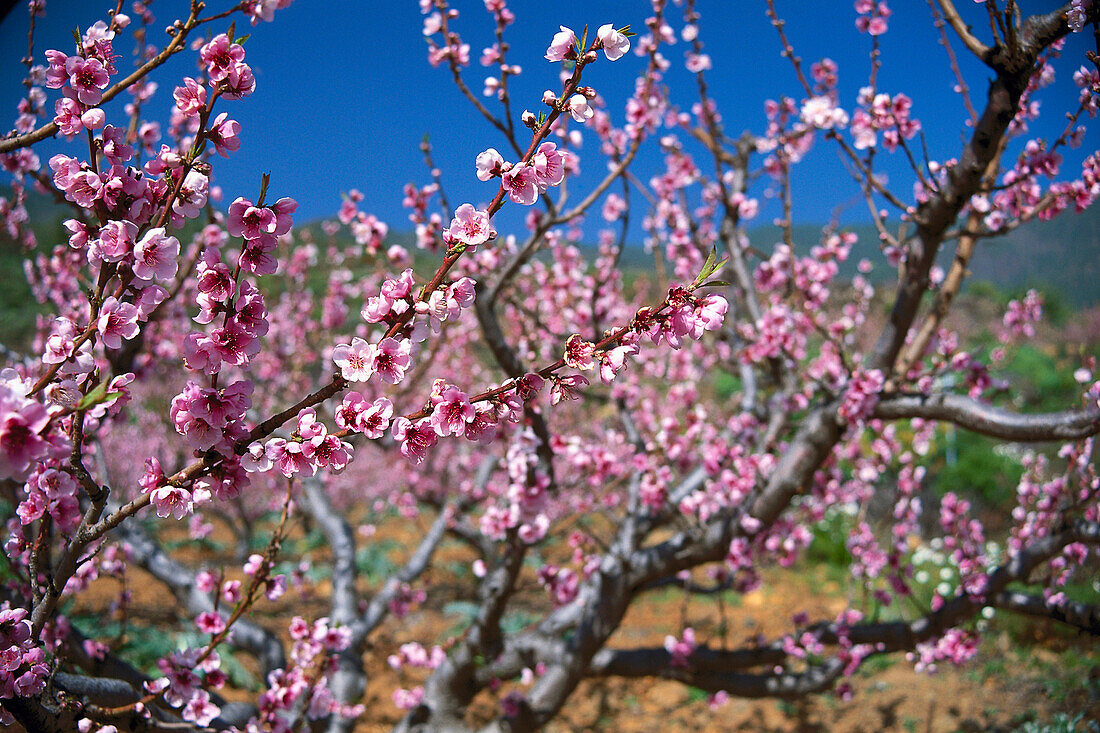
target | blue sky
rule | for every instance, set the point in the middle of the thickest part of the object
(345, 93)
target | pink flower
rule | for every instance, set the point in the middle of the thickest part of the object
(56, 76)
(190, 98)
(521, 184)
(681, 649)
(220, 55)
(615, 44)
(452, 412)
(256, 255)
(562, 46)
(376, 419)
(470, 226)
(822, 113)
(356, 360)
(578, 107)
(579, 353)
(239, 82)
(223, 133)
(210, 622)
(233, 344)
(87, 77)
(489, 163)
(287, 457)
(21, 421)
(283, 208)
(173, 500)
(415, 438)
(117, 321)
(567, 388)
(711, 312)
(255, 459)
(392, 358)
(116, 241)
(248, 221)
(327, 451)
(549, 166)
(156, 255)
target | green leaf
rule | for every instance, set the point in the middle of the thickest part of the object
(715, 284)
(708, 265)
(97, 396)
(240, 41)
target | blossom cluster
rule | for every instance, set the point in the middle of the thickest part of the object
(526, 181)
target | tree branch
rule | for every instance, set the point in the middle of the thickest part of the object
(992, 421)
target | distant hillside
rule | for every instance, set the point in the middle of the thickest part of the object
(1060, 256)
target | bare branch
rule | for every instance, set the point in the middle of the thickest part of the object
(992, 421)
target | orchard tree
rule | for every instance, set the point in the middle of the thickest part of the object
(210, 367)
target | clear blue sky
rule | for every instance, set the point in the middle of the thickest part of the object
(345, 93)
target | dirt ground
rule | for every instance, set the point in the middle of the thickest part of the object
(1015, 678)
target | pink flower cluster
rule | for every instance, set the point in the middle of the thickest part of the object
(22, 421)
(563, 584)
(82, 79)
(881, 112)
(212, 418)
(310, 447)
(1022, 315)
(861, 395)
(182, 687)
(681, 649)
(23, 668)
(956, 646)
(50, 491)
(226, 69)
(523, 182)
(413, 654)
(872, 16)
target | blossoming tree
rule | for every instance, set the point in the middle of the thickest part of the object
(215, 365)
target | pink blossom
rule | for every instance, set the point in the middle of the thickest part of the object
(579, 108)
(21, 421)
(283, 209)
(248, 221)
(88, 77)
(452, 412)
(209, 622)
(681, 649)
(190, 98)
(287, 457)
(172, 500)
(822, 113)
(239, 82)
(156, 255)
(615, 43)
(489, 163)
(567, 388)
(521, 184)
(255, 459)
(115, 242)
(563, 46)
(117, 321)
(376, 419)
(56, 76)
(415, 438)
(220, 55)
(579, 353)
(392, 358)
(549, 166)
(470, 226)
(223, 133)
(356, 360)
(256, 255)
